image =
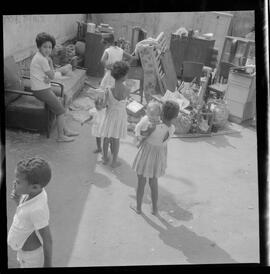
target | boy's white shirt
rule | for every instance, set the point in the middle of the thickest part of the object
(30, 216)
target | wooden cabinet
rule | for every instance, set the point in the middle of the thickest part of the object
(93, 53)
(217, 23)
(241, 95)
(189, 49)
(238, 51)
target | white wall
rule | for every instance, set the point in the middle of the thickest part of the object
(19, 31)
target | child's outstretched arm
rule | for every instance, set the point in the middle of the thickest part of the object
(129, 57)
(46, 236)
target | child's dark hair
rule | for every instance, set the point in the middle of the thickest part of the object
(44, 37)
(170, 110)
(119, 70)
(108, 39)
(36, 170)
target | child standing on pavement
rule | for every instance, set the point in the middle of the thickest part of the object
(112, 54)
(115, 123)
(151, 159)
(29, 233)
(97, 115)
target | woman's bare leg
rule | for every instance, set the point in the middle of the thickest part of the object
(60, 123)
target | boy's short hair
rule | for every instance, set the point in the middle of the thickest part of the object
(119, 69)
(108, 39)
(170, 110)
(36, 170)
(44, 37)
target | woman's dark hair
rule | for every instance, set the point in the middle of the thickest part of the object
(44, 37)
(119, 70)
(170, 110)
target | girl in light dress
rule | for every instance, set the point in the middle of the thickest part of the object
(97, 115)
(151, 159)
(114, 126)
(111, 54)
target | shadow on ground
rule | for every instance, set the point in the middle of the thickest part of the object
(217, 141)
(197, 249)
(166, 200)
(73, 168)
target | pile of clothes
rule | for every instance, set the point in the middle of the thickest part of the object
(195, 115)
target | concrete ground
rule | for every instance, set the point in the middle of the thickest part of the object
(208, 201)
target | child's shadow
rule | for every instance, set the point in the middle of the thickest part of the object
(126, 175)
(197, 249)
(100, 180)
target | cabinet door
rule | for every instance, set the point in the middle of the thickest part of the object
(217, 23)
(178, 50)
(198, 50)
(93, 53)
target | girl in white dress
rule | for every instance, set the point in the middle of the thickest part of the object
(112, 54)
(151, 159)
(97, 115)
(115, 123)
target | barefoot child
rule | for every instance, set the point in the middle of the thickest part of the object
(151, 159)
(97, 115)
(29, 233)
(115, 123)
(112, 54)
(148, 123)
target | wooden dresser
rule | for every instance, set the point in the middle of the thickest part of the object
(241, 96)
(93, 53)
(189, 49)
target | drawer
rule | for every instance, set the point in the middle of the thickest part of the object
(238, 93)
(240, 80)
(243, 111)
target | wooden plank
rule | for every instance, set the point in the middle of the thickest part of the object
(169, 70)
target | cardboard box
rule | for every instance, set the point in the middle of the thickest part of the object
(134, 108)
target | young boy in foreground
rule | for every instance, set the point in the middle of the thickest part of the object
(29, 233)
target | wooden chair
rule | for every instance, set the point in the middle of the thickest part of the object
(218, 88)
(22, 109)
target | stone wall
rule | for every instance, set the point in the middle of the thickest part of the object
(19, 31)
(154, 23)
